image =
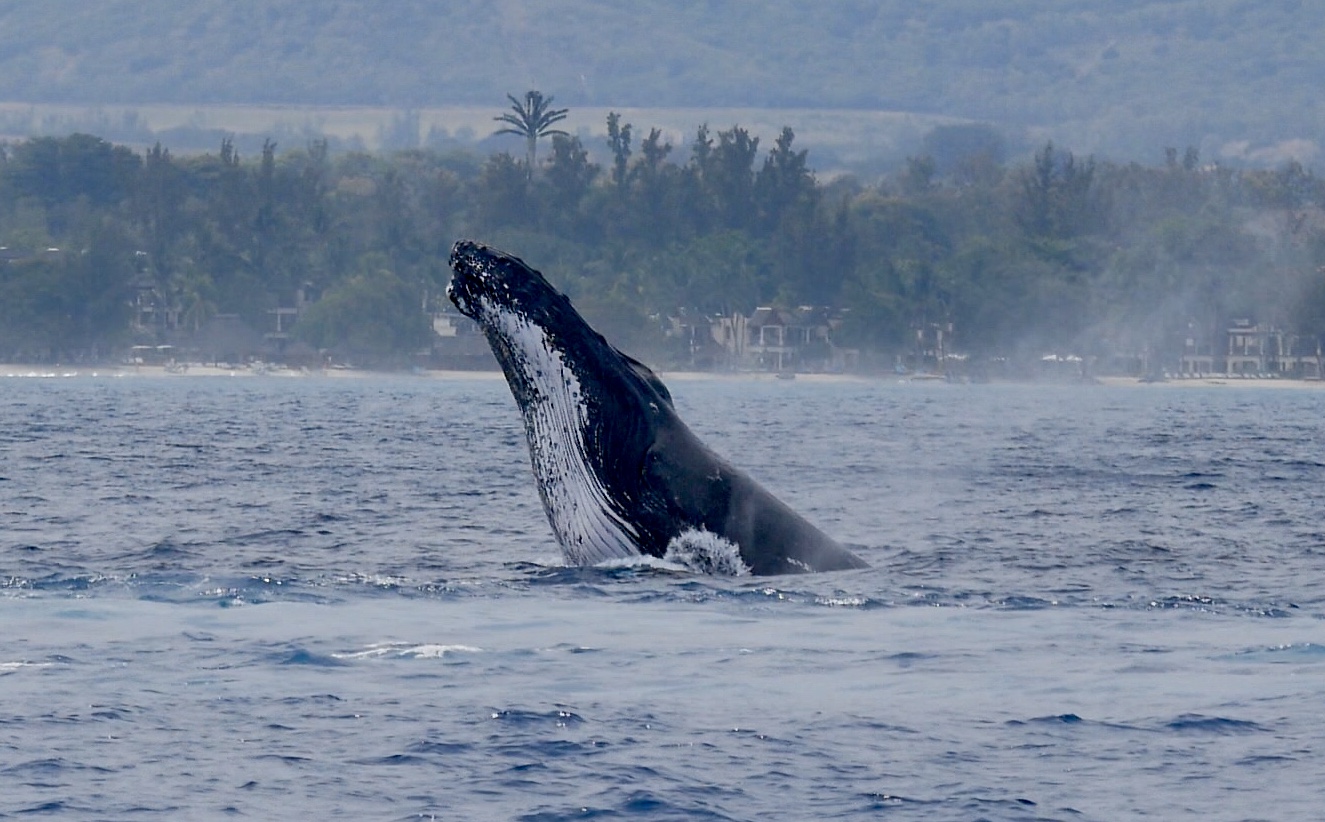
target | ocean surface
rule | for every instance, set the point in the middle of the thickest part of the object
(318, 598)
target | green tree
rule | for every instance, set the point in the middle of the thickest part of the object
(531, 119)
(372, 317)
(1054, 199)
(503, 193)
(61, 306)
(618, 140)
(722, 176)
(655, 191)
(785, 185)
(719, 273)
(568, 179)
(918, 179)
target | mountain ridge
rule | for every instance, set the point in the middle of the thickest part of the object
(1123, 78)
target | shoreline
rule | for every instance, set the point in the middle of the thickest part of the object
(1216, 381)
(194, 370)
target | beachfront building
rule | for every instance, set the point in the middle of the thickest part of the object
(782, 340)
(1253, 350)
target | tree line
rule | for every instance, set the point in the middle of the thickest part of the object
(1055, 252)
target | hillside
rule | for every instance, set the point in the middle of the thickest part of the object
(1238, 78)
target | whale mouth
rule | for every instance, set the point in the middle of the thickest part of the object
(473, 273)
(485, 281)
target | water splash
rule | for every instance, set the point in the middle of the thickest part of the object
(706, 553)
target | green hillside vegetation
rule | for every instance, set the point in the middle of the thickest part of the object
(1062, 253)
(1240, 77)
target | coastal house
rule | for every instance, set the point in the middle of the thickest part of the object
(706, 341)
(1303, 357)
(933, 347)
(457, 343)
(1253, 350)
(281, 344)
(776, 337)
(1200, 353)
(782, 340)
(226, 338)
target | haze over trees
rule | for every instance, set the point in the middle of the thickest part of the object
(1059, 253)
(1240, 80)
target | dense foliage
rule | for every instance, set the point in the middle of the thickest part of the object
(1060, 253)
(1114, 78)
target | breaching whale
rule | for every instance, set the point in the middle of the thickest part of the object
(618, 472)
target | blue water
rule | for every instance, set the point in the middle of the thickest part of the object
(321, 598)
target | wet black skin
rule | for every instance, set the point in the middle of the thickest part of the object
(658, 475)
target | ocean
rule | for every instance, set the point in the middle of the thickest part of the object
(276, 598)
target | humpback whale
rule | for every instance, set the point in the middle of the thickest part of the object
(619, 474)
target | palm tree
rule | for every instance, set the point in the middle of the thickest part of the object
(532, 118)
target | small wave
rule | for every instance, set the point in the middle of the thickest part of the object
(52, 765)
(384, 581)
(1016, 602)
(77, 583)
(561, 717)
(642, 562)
(1068, 720)
(1057, 719)
(301, 656)
(407, 650)
(645, 805)
(1288, 653)
(14, 667)
(1209, 604)
(587, 578)
(1218, 725)
(393, 760)
(168, 548)
(843, 601)
(442, 748)
(889, 801)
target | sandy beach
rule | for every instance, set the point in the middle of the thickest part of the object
(267, 370)
(1219, 381)
(19, 370)
(16, 371)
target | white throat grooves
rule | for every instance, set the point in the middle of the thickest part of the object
(574, 498)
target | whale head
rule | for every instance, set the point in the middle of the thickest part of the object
(491, 286)
(581, 400)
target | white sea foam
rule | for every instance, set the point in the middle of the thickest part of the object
(11, 667)
(642, 561)
(704, 552)
(408, 650)
(842, 601)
